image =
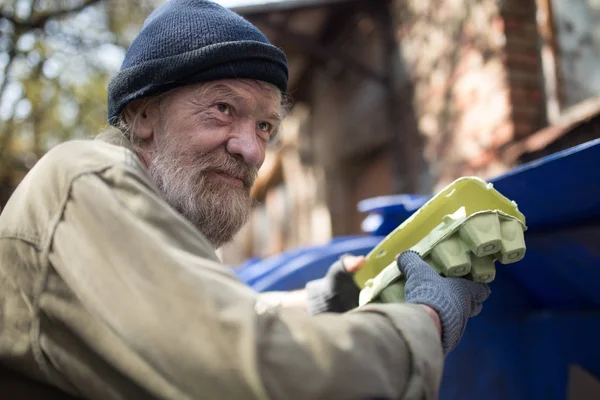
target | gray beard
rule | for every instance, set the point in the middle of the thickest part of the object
(217, 209)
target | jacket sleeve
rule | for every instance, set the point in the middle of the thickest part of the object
(188, 329)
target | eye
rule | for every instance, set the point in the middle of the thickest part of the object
(224, 108)
(265, 130)
(264, 126)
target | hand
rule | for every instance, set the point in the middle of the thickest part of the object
(336, 291)
(352, 263)
(454, 299)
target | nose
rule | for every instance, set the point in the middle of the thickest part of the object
(245, 144)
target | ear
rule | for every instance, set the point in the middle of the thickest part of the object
(143, 117)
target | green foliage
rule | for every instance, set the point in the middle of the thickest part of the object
(56, 58)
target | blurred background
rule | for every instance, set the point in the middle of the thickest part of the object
(394, 99)
(390, 96)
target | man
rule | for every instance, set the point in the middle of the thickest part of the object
(109, 284)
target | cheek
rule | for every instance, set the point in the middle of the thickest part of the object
(201, 133)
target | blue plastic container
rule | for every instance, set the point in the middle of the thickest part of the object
(544, 312)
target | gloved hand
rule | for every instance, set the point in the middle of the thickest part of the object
(454, 299)
(336, 291)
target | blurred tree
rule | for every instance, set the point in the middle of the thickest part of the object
(56, 57)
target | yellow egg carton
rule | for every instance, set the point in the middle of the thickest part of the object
(460, 232)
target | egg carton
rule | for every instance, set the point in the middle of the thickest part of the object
(460, 232)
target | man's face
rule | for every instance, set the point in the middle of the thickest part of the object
(208, 145)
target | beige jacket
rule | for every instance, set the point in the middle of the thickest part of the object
(107, 293)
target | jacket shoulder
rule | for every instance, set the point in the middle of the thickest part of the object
(78, 157)
(46, 186)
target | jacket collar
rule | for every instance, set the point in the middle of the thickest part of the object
(115, 137)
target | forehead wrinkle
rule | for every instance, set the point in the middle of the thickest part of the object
(220, 90)
(264, 103)
(250, 87)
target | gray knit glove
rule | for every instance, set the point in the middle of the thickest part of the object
(454, 299)
(335, 292)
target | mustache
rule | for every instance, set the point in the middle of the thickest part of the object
(223, 163)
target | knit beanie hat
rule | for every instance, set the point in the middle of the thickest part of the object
(191, 41)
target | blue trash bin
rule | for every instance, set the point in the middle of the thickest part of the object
(544, 312)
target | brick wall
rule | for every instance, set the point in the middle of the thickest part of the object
(476, 72)
(523, 65)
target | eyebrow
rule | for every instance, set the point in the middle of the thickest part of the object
(276, 117)
(221, 89)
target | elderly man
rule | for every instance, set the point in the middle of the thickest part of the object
(109, 284)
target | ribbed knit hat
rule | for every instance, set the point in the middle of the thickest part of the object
(191, 41)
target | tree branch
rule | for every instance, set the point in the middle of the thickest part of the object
(40, 20)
